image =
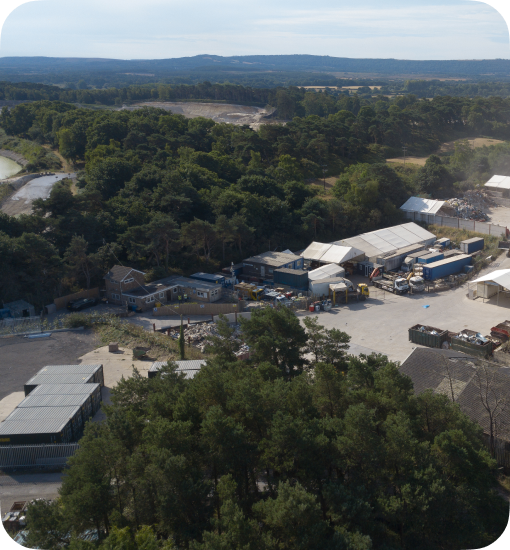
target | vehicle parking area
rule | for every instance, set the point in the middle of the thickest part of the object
(381, 323)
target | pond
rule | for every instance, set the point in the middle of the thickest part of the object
(8, 168)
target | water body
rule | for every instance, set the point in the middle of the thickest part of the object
(8, 168)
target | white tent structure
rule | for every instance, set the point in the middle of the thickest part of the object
(330, 253)
(326, 272)
(422, 206)
(491, 284)
(499, 182)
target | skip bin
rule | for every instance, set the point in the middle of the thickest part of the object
(428, 336)
(470, 348)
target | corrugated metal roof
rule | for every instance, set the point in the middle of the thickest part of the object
(65, 389)
(315, 251)
(326, 271)
(425, 206)
(70, 369)
(22, 427)
(501, 182)
(54, 400)
(273, 258)
(192, 364)
(382, 241)
(43, 413)
(59, 379)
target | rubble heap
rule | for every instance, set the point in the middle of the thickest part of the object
(197, 335)
(465, 210)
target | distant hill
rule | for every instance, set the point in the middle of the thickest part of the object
(453, 68)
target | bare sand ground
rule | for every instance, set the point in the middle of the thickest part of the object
(219, 112)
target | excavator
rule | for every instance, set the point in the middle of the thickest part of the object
(249, 291)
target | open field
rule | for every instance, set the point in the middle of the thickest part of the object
(448, 147)
(219, 112)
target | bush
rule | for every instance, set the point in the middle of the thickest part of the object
(76, 320)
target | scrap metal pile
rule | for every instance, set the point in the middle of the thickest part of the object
(471, 207)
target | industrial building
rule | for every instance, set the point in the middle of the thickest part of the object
(295, 278)
(189, 368)
(263, 265)
(390, 243)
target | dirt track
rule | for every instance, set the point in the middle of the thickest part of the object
(219, 112)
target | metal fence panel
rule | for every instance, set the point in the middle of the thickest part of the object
(470, 225)
(18, 456)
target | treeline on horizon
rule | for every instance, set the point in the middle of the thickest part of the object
(175, 195)
(86, 93)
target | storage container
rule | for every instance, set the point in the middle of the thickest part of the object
(484, 290)
(34, 432)
(446, 267)
(428, 336)
(209, 277)
(59, 379)
(431, 257)
(472, 245)
(295, 278)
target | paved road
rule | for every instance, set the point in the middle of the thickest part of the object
(18, 487)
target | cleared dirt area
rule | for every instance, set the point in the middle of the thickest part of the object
(448, 147)
(38, 188)
(219, 112)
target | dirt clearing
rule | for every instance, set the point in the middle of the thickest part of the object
(420, 161)
(219, 112)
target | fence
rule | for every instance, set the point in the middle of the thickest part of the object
(22, 456)
(198, 309)
(62, 302)
(21, 325)
(457, 223)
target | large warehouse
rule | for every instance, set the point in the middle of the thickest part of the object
(383, 242)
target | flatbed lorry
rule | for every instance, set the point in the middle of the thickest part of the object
(397, 285)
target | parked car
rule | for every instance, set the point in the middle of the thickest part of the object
(83, 303)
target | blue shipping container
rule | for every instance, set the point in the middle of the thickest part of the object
(430, 258)
(472, 245)
(295, 278)
(444, 268)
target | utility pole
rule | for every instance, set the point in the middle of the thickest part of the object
(405, 152)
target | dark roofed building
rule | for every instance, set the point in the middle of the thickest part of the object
(120, 280)
(263, 265)
(478, 387)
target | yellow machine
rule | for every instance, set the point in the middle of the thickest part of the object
(364, 291)
(408, 278)
(249, 291)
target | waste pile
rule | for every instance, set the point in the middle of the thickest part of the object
(198, 333)
(476, 338)
(465, 210)
(479, 199)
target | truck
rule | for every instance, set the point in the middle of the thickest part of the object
(397, 285)
(417, 284)
(409, 261)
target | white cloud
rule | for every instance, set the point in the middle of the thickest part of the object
(420, 29)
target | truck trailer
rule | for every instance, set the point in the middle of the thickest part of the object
(446, 267)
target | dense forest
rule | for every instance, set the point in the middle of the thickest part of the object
(333, 452)
(170, 194)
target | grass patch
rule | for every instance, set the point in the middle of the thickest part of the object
(39, 158)
(490, 249)
(110, 328)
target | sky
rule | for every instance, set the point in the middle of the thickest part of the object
(158, 29)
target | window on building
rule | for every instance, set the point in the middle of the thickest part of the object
(161, 294)
(175, 289)
(115, 296)
(149, 299)
(132, 300)
(270, 270)
(129, 280)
